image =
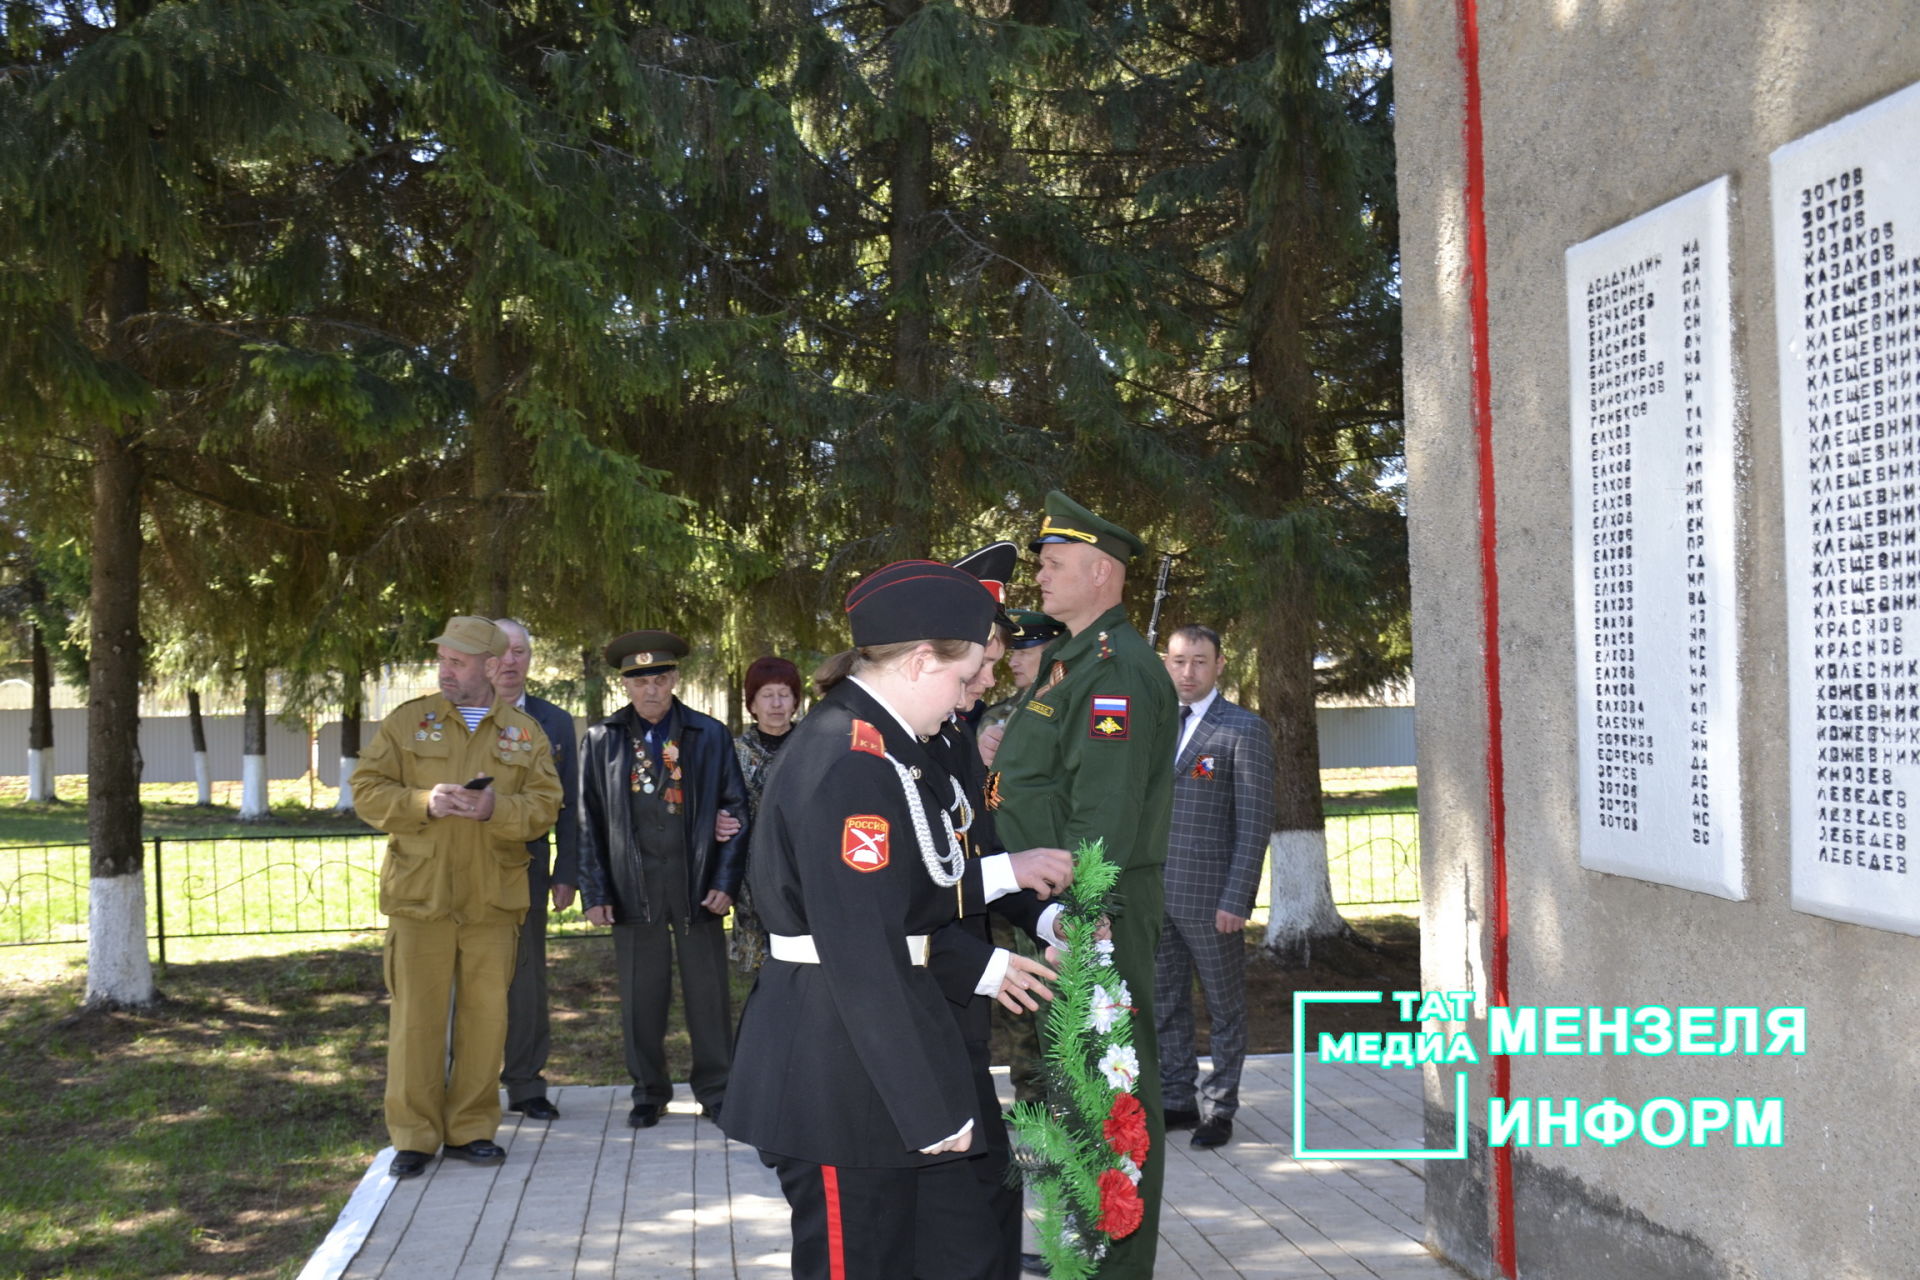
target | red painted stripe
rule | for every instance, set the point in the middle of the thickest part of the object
(836, 1232)
(1505, 1253)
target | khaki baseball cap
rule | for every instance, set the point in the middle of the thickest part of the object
(473, 635)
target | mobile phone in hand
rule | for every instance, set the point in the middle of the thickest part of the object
(480, 783)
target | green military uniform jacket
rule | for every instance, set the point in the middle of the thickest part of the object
(1089, 753)
(456, 868)
(1089, 756)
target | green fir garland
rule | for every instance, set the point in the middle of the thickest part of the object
(1076, 1150)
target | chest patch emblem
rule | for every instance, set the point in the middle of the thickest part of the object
(867, 738)
(863, 842)
(1108, 718)
(1203, 768)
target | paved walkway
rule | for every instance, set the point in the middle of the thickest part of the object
(586, 1196)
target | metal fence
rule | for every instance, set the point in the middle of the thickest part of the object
(242, 885)
(222, 887)
(1373, 857)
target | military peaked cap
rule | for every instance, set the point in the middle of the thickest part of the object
(641, 653)
(1068, 521)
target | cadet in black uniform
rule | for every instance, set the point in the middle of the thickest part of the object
(850, 1075)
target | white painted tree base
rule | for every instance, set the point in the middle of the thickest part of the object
(119, 970)
(202, 779)
(347, 765)
(40, 776)
(1300, 892)
(253, 787)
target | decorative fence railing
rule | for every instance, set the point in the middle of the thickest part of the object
(241, 885)
(213, 888)
(1373, 857)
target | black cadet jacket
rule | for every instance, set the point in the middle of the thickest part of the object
(856, 1060)
(609, 862)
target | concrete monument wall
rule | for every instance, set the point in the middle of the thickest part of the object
(1593, 113)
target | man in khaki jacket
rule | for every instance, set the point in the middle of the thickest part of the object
(454, 889)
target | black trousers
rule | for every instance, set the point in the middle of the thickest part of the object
(644, 954)
(528, 1036)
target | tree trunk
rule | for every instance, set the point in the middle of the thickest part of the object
(909, 234)
(119, 971)
(202, 775)
(1282, 411)
(352, 708)
(1300, 892)
(593, 688)
(492, 424)
(253, 748)
(40, 770)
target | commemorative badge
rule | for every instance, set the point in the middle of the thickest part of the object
(993, 791)
(1054, 677)
(863, 842)
(867, 738)
(1108, 718)
(1203, 768)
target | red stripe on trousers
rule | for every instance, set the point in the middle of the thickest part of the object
(836, 1235)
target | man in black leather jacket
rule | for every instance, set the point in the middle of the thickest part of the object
(659, 783)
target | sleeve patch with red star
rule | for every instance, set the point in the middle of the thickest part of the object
(867, 738)
(1108, 718)
(863, 842)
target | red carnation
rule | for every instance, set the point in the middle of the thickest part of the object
(1126, 1128)
(1120, 1207)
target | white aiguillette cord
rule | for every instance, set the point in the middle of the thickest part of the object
(945, 868)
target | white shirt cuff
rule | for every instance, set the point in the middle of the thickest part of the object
(994, 974)
(996, 876)
(927, 1151)
(1049, 918)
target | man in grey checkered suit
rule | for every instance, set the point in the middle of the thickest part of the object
(1222, 819)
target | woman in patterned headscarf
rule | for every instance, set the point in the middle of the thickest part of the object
(773, 700)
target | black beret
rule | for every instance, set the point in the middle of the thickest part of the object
(919, 600)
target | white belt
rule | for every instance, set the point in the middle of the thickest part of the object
(798, 948)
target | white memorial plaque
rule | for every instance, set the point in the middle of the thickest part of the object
(1846, 251)
(1648, 324)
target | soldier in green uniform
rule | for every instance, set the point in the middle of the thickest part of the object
(1085, 757)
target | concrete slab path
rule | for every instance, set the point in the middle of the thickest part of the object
(588, 1197)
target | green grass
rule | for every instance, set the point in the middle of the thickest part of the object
(219, 1133)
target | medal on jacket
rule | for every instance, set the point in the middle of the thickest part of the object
(670, 756)
(641, 778)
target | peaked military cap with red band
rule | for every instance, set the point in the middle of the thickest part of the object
(641, 653)
(919, 600)
(993, 565)
(1067, 521)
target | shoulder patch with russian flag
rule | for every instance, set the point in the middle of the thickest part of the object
(1108, 717)
(863, 842)
(867, 738)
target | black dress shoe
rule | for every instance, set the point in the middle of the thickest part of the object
(536, 1109)
(1035, 1265)
(479, 1151)
(710, 1111)
(1181, 1117)
(644, 1115)
(1213, 1132)
(409, 1164)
